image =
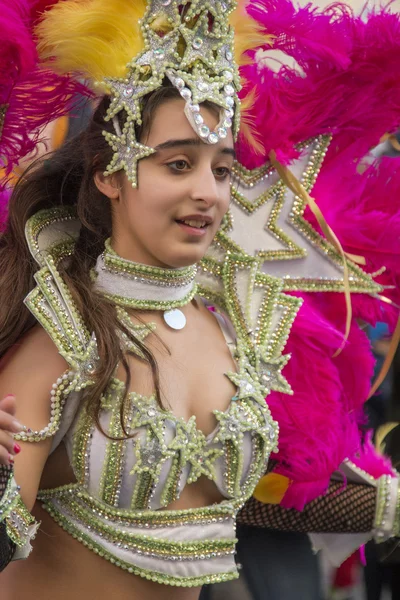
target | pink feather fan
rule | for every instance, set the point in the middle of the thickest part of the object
(30, 97)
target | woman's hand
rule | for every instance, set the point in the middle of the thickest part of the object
(8, 425)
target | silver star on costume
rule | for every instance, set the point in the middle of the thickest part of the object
(192, 445)
(202, 462)
(233, 423)
(84, 365)
(166, 8)
(126, 93)
(146, 413)
(203, 87)
(267, 220)
(271, 374)
(186, 439)
(161, 52)
(150, 457)
(200, 44)
(127, 152)
(245, 384)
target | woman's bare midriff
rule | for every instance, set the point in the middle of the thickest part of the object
(61, 567)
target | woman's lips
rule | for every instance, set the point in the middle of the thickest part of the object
(193, 231)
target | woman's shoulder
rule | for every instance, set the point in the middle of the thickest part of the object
(35, 352)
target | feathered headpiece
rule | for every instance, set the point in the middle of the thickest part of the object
(127, 49)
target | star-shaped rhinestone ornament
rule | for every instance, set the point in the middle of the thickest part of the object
(146, 413)
(83, 365)
(233, 423)
(165, 8)
(150, 456)
(270, 373)
(186, 438)
(126, 94)
(267, 220)
(200, 44)
(160, 53)
(202, 463)
(204, 87)
(192, 446)
(127, 152)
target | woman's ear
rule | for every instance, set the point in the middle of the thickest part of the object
(107, 185)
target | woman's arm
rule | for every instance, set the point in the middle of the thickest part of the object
(27, 372)
(343, 509)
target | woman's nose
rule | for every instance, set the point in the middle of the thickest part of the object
(205, 187)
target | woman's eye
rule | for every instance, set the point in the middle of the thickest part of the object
(222, 172)
(178, 165)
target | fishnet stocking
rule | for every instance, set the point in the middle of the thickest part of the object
(7, 547)
(349, 509)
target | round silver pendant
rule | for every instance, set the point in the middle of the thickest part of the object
(175, 318)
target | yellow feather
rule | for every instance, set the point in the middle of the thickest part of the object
(247, 125)
(94, 39)
(271, 488)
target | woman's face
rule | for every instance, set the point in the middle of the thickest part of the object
(182, 195)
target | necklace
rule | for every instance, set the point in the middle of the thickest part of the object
(143, 287)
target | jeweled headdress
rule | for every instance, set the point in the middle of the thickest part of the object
(128, 48)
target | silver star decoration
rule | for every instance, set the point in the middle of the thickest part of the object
(200, 44)
(270, 373)
(245, 384)
(203, 87)
(150, 457)
(127, 152)
(83, 364)
(161, 52)
(267, 220)
(192, 445)
(202, 462)
(146, 413)
(186, 438)
(167, 8)
(126, 93)
(233, 423)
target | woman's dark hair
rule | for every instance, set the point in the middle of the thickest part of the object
(67, 178)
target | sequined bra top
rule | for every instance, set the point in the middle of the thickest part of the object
(118, 505)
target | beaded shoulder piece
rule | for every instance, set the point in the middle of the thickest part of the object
(51, 237)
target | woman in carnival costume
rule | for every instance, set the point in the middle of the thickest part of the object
(145, 452)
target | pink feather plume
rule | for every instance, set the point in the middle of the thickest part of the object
(347, 82)
(33, 96)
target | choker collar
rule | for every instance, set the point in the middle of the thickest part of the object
(143, 287)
